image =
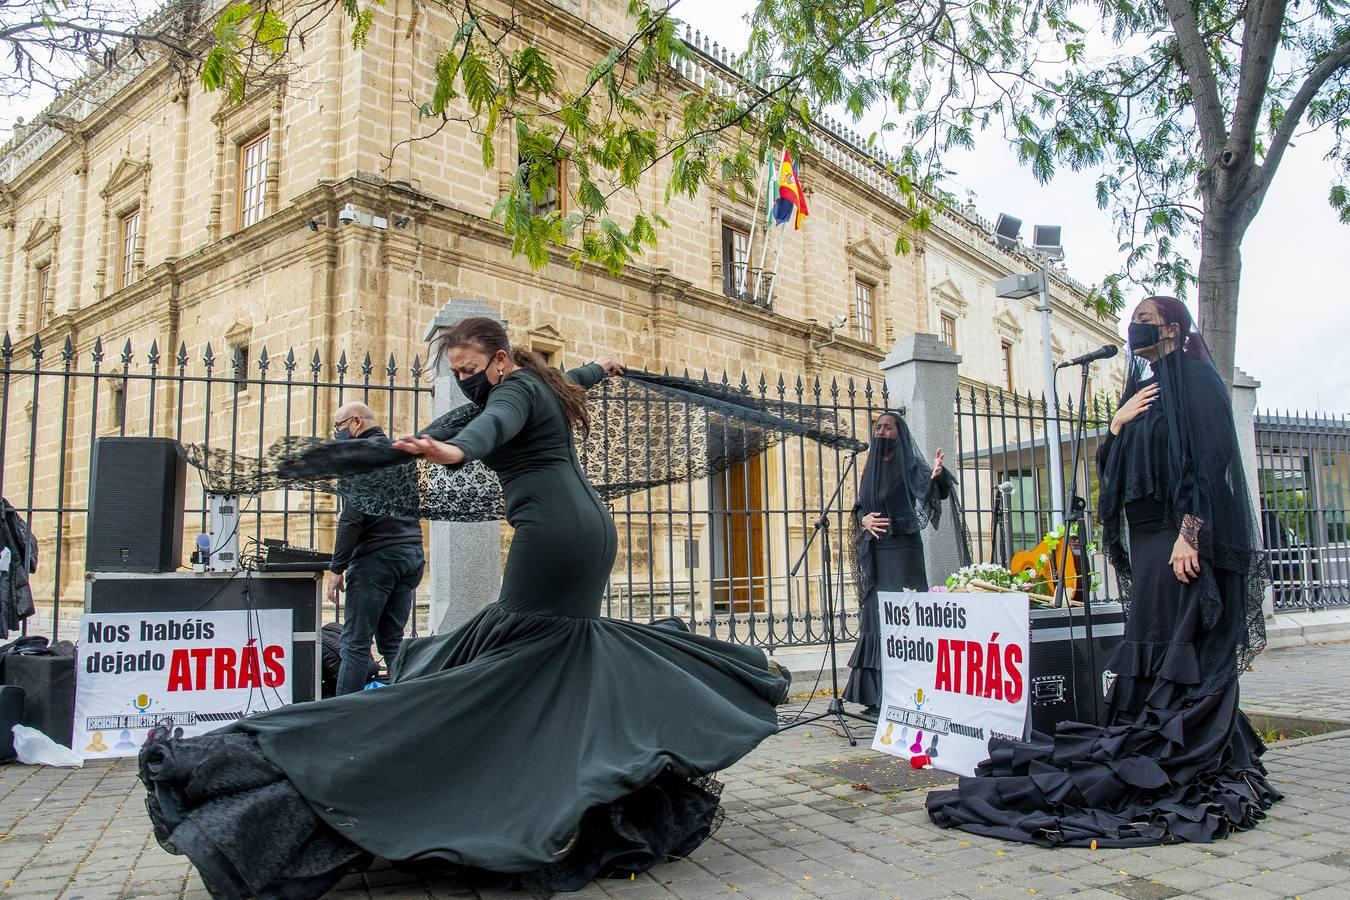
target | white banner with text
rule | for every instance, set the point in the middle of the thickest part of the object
(182, 670)
(954, 674)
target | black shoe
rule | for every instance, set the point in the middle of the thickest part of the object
(873, 711)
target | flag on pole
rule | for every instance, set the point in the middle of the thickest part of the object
(771, 196)
(790, 193)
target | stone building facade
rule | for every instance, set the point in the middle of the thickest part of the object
(147, 210)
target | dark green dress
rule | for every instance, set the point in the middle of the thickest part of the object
(538, 740)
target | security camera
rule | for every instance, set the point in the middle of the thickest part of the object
(838, 322)
(348, 214)
(314, 224)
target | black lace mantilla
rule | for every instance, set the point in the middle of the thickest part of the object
(647, 431)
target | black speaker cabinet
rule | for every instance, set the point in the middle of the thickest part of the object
(1061, 677)
(137, 489)
(48, 683)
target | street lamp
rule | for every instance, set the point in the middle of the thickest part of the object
(1045, 244)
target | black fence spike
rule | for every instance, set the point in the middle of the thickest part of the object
(7, 348)
(290, 361)
(153, 357)
(262, 360)
(37, 346)
(366, 366)
(417, 367)
(68, 352)
(209, 357)
(316, 365)
(182, 354)
(391, 370)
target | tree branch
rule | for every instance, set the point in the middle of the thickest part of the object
(1335, 61)
(1260, 38)
(1196, 62)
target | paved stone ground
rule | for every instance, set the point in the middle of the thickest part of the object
(790, 832)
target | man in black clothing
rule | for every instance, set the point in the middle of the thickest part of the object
(378, 561)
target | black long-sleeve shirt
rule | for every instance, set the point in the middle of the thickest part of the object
(359, 533)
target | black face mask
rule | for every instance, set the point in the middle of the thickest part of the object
(476, 388)
(342, 434)
(1142, 335)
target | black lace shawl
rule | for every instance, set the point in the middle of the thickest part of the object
(1184, 453)
(649, 431)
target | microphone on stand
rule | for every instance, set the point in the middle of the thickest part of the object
(203, 554)
(1006, 487)
(1104, 352)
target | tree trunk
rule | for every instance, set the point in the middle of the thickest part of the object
(1219, 275)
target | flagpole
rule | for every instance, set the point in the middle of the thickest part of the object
(778, 254)
(770, 200)
(750, 245)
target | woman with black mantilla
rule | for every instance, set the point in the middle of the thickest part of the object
(538, 745)
(1176, 760)
(898, 494)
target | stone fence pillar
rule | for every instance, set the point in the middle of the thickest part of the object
(921, 381)
(466, 557)
(1244, 417)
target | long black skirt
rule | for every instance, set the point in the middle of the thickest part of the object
(521, 750)
(899, 567)
(1170, 765)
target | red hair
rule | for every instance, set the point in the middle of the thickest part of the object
(1173, 312)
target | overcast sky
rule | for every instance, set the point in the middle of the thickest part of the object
(1293, 328)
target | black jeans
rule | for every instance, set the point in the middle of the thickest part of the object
(380, 588)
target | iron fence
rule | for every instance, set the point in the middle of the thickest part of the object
(1007, 442)
(716, 553)
(1303, 474)
(54, 406)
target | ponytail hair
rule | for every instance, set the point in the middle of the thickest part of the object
(489, 336)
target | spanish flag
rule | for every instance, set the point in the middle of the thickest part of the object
(790, 193)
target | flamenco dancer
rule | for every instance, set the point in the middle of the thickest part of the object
(898, 495)
(538, 746)
(1177, 760)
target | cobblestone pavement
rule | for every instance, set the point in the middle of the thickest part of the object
(791, 830)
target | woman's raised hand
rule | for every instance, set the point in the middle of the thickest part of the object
(1134, 407)
(938, 459)
(430, 449)
(610, 365)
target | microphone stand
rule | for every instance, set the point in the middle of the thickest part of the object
(1075, 526)
(822, 527)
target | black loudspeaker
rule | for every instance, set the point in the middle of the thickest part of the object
(1061, 678)
(137, 489)
(48, 682)
(11, 714)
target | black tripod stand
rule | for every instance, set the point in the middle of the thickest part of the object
(1075, 539)
(822, 527)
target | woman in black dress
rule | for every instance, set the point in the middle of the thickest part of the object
(1177, 760)
(898, 495)
(538, 744)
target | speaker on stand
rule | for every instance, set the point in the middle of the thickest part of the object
(137, 490)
